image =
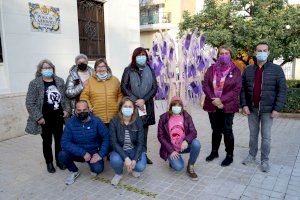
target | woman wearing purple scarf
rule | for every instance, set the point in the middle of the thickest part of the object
(222, 84)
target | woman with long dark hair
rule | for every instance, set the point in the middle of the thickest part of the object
(140, 85)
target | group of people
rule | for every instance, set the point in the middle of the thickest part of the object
(94, 117)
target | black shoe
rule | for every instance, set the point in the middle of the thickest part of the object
(61, 166)
(212, 156)
(227, 161)
(50, 168)
(149, 162)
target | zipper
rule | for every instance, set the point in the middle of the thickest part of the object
(106, 100)
(262, 81)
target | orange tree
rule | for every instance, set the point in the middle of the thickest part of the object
(242, 23)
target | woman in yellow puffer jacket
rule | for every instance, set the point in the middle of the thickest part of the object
(102, 92)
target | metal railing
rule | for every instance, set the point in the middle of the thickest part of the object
(155, 18)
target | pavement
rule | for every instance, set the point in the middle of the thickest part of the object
(23, 172)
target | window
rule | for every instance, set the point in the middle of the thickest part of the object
(91, 28)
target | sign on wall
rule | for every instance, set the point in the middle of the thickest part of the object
(44, 18)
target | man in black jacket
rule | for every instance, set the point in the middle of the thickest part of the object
(263, 96)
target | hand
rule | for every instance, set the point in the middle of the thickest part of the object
(95, 158)
(274, 114)
(174, 155)
(246, 110)
(140, 103)
(66, 114)
(216, 101)
(184, 145)
(127, 164)
(221, 106)
(87, 157)
(41, 121)
(133, 163)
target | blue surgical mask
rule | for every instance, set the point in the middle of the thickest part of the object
(127, 112)
(102, 76)
(47, 72)
(262, 56)
(176, 110)
(141, 60)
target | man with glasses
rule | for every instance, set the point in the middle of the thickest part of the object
(263, 96)
(85, 139)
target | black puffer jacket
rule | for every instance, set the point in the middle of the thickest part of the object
(273, 89)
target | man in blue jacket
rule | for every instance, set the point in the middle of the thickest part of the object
(263, 96)
(85, 139)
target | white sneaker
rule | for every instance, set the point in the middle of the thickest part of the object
(248, 160)
(71, 178)
(116, 179)
(136, 174)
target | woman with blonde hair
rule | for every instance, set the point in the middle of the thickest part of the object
(47, 107)
(102, 92)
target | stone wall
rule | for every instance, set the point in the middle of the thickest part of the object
(13, 116)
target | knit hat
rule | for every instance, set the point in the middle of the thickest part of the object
(175, 98)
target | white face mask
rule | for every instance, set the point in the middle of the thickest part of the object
(176, 110)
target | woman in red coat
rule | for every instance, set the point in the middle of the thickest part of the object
(177, 135)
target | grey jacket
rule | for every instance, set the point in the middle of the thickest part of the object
(35, 101)
(273, 88)
(74, 86)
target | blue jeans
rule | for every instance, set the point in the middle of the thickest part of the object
(193, 149)
(117, 162)
(68, 159)
(256, 120)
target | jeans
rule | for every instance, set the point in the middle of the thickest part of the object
(53, 127)
(193, 149)
(117, 162)
(221, 123)
(68, 159)
(256, 119)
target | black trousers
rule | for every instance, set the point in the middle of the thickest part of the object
(53, 127)
(146, 129)
(221, 123)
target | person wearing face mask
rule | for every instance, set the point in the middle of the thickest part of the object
(77, 79)
(127, 140)
(177, 135)
(102, 92)
(47, 107)
(262, 97)
(222, 85)
(85, 139)
(140, 85)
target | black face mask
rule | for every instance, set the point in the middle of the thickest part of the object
(83, 116)
(82, 66)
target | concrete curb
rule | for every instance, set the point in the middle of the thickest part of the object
(290, 115)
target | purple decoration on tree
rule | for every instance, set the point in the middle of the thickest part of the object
(202, 41)
(171, 53)
(196, 88)
(164, 49)
(201, 65)
(191, 71)
(187, 41)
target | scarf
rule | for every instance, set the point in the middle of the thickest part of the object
(141, 84)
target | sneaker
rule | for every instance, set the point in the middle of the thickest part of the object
(250, 159)
(227, 161)
(116, 179)
(50, 168)
(265, 167)
(136, 174)
(212, 156)
(191, 172)
(71, 178)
